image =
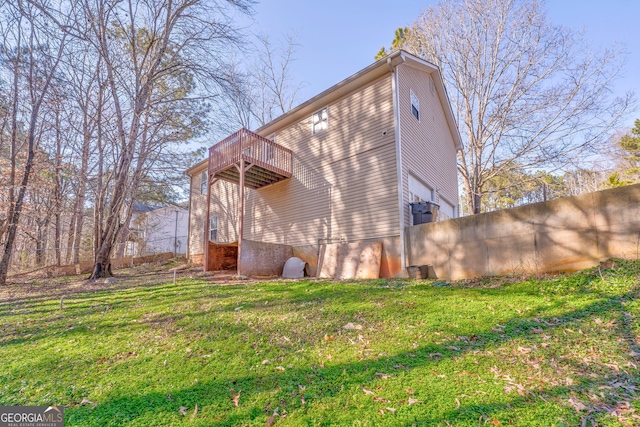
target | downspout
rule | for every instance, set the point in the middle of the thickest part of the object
(396, 118)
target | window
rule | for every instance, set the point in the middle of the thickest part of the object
(415, 105)
(320, 121)
(203, 182)
(213, 228)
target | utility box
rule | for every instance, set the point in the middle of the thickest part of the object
(424, 212)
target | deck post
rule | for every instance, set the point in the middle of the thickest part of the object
(240, 214)
(206, 225)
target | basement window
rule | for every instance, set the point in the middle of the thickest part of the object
(213, 228)
(415, 105)
(320, 121)
(203, 182)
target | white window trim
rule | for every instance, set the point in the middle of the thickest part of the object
(415, 103)
(214, 229)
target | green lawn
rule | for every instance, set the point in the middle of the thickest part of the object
(559, 351)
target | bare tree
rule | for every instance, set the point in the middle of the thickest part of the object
(275, 91)
(163, 42)
(528, 94)
(260, 88)
(31, 52)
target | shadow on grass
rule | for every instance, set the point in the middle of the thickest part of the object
(326, 382)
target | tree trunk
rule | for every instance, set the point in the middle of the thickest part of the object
(14, 213)
(58, 189)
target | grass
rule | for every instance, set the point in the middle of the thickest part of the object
(551, 351)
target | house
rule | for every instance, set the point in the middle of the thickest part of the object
(341, 167)
(155, 229)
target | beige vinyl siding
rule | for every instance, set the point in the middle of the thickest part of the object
(344, 179)
(428, 150)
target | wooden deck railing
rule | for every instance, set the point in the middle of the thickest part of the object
(252, 148)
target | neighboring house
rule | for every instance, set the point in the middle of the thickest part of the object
(341, 167)
(155, 230)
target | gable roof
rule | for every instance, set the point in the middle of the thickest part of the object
(362, 77)
(366, 75)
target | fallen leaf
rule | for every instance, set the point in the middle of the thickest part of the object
(302, 387)
(236, 398)
(495, 422)
(457, 403)
(352, 327)
(329, 337)
(577, 405)
(382, 376)
(454, 348)
(237, 308)
(381, 399)
(195, 411)
(392, 410)
(280, 368)
(183, 410)
(171, 399)
(369, 392)
(271, 421)
(86, 401)
(432, 355)
(411, 401)
(266, 362)
(408, 390)
(536, 330)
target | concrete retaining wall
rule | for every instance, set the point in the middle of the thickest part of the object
(560, 235)
(263, 259)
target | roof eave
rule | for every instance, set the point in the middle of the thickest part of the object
(370, 73)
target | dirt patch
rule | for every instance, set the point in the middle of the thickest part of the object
(36, 284)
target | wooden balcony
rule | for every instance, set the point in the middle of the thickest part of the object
(264, 161)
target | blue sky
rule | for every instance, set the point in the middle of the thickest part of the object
(338, 38)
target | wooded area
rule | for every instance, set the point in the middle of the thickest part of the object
(101, 99)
